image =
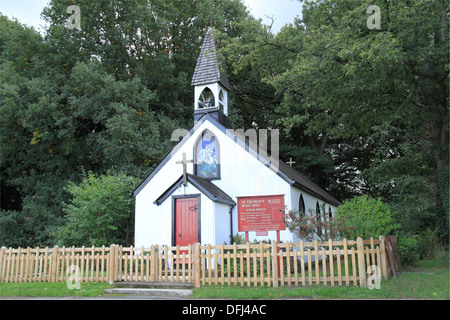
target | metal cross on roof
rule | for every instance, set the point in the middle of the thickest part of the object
(184, 162)
(290, 162)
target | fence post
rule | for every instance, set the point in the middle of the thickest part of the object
(154, 260)
(2, 257)
(274, 264)
(361, 262)
(108, 265)
(152, 264)
(383, 257)
(53, 264)
(27, 274)
(111, 263)
(196, 259)
(116, 262)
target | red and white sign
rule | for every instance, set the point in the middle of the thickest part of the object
(261, 213)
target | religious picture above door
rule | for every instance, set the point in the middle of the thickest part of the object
(207, 156)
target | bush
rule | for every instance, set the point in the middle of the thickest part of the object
(100, 211)
(408, 250)
(365, 217)
(427, 243)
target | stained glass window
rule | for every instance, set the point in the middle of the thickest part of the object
(207, 156)
(319, 219)
(301, 206)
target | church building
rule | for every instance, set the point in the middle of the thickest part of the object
(199, 190)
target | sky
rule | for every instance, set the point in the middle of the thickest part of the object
(283, 11)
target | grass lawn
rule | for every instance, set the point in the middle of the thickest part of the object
(55, 289)
(429, 280)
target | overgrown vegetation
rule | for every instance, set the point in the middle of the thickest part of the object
(100, 211)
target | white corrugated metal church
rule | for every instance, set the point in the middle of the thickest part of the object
(191, 196)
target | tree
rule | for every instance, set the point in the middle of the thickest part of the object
(108, 95)
(378, 99)
(362, 111)
(156, 41)
(100, 211)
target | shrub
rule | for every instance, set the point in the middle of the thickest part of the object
(408, 250)
(365, 217)
(100, 211)
(310, 226)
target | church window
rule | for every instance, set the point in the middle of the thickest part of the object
(206, 99)
(301, 206)
(207, 164)
(318, 219)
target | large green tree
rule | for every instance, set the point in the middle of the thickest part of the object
(106, 96)
(384, 91)
(361, 110)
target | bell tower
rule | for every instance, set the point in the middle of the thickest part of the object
(210, 82)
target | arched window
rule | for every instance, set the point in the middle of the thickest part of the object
(330, 214)
(301, 206)
(206, 99)
(207, 156)
(318, 219)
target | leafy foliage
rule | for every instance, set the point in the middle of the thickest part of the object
(365, 217)
(100, 211)
(106, 96)
(310, 226)
(359, 111)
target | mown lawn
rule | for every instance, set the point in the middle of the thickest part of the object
(429, 280)
(55, 289)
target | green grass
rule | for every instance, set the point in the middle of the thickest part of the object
(56, 289)
(429, 280)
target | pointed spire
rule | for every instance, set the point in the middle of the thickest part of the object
(208, 69)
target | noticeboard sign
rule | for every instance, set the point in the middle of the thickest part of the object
(261, 213)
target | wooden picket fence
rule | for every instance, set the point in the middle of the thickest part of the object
(331, 263)
(54, 264)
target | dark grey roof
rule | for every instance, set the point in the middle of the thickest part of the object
(209, 67)
(208, 188)
(294, 177)
(304, 183)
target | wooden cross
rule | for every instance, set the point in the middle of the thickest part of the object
(184, 162)
(291, 162)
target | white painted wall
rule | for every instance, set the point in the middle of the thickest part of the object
(310, 204)
(222, 223)
(241, 175)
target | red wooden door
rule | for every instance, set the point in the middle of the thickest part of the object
(186, 221)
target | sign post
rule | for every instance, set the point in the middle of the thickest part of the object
(261, 214)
